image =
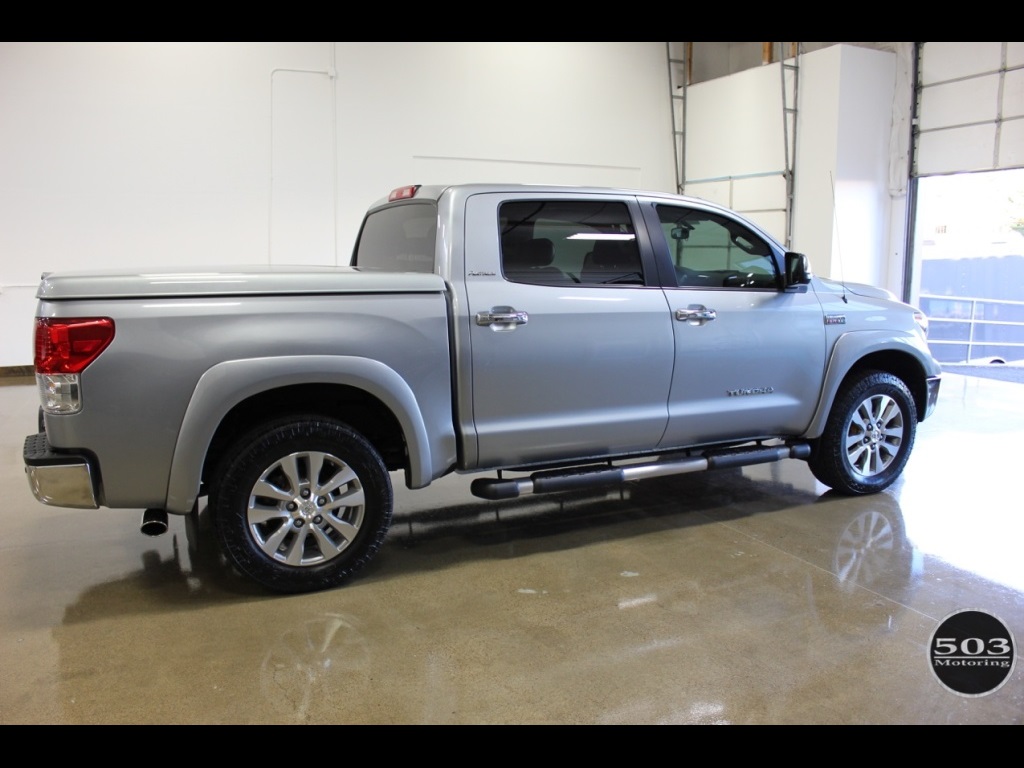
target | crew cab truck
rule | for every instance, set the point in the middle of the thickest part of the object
(545, 338)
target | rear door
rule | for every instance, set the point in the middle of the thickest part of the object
(572, 342)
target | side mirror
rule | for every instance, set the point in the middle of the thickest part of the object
(798, 269)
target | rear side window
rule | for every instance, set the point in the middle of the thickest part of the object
(569, 242)
(398, 239)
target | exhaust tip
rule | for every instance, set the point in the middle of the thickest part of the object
(154, 522)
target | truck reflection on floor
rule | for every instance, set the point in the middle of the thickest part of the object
(867, 533)
(303, 656)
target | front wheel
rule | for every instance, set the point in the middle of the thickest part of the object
(302, 504)
(868, 436)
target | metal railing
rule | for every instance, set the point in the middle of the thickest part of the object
(972, 331)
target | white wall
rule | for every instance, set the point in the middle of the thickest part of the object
(735, 152)
(845, 216)
(131, 154)
(852, 139)
(864, 199)
(195, 154)
(562, 113)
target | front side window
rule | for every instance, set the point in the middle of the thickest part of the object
(569, 242)
(713, 251)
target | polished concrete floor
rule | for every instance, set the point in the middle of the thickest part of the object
(745, 597)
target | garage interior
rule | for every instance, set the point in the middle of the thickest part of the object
(747, 596)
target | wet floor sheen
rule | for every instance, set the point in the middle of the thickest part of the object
(749, 596)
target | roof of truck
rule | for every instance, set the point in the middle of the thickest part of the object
(435, 191)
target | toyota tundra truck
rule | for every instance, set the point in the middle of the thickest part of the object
(542, 338)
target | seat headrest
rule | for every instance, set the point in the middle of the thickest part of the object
(612, 253)
(529, 254)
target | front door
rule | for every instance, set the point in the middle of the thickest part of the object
(750, 357)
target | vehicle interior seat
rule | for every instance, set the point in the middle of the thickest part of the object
(612, 261)
(531, 261)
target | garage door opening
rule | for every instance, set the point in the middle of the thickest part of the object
(969, 249)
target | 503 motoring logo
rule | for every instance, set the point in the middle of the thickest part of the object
(972, 653)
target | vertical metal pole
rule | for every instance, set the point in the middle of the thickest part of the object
(970, 332)
(789, 114)
(914, 179)
(679, 126)
(687, 74)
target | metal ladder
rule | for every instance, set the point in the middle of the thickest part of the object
(678, 81)
(679, 72)
(789, 123)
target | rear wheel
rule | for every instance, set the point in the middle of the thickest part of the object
(302, 504)
(868, 436)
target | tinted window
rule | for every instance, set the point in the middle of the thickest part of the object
(714, 251)
(567, 242)
(398, 239)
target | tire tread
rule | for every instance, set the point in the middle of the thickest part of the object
(259, 448)
(828, 461)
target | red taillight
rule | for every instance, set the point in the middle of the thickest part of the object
(403, 193)
(68, 345)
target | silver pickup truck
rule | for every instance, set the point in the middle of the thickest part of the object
(547, 338)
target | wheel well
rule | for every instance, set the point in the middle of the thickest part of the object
(902, 366)
(360, 410)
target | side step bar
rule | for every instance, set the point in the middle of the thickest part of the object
(576, 478)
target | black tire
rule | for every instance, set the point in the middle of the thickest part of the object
(302, 505)
(868, 437)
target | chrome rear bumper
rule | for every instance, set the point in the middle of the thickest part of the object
(58, 479)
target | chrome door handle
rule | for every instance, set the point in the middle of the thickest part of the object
(696, 315)
(502, 318)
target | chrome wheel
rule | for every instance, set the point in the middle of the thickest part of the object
(301, 503)
(306, 508)
(868, 435)
(874, 435)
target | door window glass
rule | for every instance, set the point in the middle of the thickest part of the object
(569, 242)
(713, 251)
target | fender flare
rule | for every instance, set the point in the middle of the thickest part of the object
(853, 347)
(227, 384)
